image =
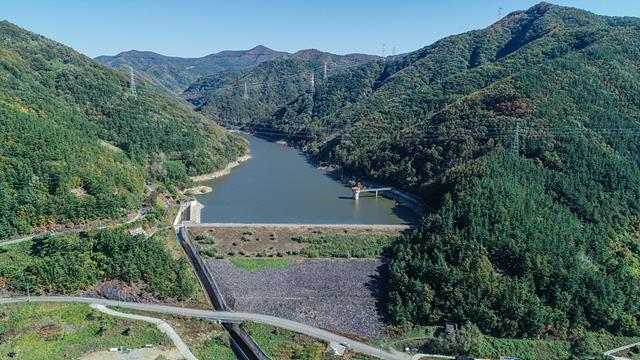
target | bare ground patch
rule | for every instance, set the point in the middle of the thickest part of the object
(136, 354)
(254, 240)
(334, 294)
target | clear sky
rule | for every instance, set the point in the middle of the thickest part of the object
(191, 28)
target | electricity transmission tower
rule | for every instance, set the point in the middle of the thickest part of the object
(384, 51)
(515, 140)
(325, 71)
(246, 93)
(313, 84)
(132, 83)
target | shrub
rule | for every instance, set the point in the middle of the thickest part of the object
(209, 252)
(205, 239)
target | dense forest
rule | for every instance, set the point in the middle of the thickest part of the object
(523, 137)
(248, 96)
(75, 262)
(75, 144)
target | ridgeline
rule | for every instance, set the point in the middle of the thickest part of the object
(522, 136)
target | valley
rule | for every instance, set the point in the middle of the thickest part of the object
(475, 198)
(279, 185)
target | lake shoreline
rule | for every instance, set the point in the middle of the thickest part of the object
(288, 178)
(334, 171)
(222, 172)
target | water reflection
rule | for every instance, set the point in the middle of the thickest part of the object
(279, 185)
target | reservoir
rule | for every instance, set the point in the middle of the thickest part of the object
(279, 185)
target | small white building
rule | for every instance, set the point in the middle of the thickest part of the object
(137, 231)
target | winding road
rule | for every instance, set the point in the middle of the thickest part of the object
(161, 324)
(617, 350)
(224, 316)
(139, 215)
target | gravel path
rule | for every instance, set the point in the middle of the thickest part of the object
(161, 324)
(334, 294)
(136, 354)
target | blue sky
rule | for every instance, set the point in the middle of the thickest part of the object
(192, 28)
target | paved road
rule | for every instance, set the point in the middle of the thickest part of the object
(224, 316)
(302, 226)
(139, 215)
(163, 326)
(617, 350)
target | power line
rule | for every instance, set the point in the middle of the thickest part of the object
(235, 84)
(306, 134)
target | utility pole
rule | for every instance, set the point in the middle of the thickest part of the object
(325, 71)
(132, 82)
(515, 141)
(313, 84)
(246, 93)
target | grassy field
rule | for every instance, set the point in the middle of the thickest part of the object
(257, 264)
(281, 344)
(207, 340)
(68, 331)
(345, 245)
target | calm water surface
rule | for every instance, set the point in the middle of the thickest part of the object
(279, 185)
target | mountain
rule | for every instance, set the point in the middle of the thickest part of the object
(77, 145)
(523, 139)
(176, 74)
(269, 85)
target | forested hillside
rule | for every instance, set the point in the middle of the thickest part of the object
(523, 137)
(175, 74)
(75, 142)
(74, 263)
(269, 86)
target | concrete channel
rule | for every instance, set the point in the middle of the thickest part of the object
(243, 345)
